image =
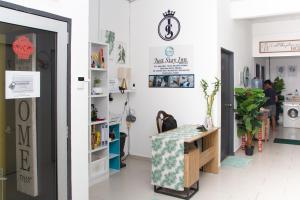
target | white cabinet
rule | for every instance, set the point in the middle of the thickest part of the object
(98, 113)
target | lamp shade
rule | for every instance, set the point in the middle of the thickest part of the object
(124, 73)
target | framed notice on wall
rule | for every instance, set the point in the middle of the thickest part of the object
(280, 46)
(171, 67)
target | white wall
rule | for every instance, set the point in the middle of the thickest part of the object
(291, 82)
(235, 36)
(247, 9)
(114, 16)
(199, 28)
(278, 29)
(78, 12)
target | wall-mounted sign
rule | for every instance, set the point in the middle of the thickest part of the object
(22, 84)
(26, 146)
(171, 67)
(280, 46)
(169, 27)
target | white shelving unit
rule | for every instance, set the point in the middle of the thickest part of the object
(126, 91)
(98, 129)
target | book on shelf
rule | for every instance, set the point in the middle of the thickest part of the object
(98, 137)
(104, 139)
(102, 59)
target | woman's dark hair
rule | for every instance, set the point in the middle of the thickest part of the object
(268, 82)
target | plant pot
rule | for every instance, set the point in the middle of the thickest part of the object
(249, 150)
(97, 90)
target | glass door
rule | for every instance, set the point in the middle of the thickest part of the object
(33, 109)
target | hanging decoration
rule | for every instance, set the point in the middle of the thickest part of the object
(23, 47)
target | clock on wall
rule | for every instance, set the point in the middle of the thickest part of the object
(246, 76)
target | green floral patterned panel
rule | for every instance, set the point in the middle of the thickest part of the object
(168, 157)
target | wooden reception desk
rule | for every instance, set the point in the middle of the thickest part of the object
(206, 157)
(200, 152)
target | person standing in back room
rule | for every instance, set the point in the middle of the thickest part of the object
(271, 102)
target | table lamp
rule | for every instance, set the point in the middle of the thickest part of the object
(124, 74)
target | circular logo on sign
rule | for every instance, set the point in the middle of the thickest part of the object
(169, 26)
(169, 51)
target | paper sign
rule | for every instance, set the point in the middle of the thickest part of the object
(22, 84)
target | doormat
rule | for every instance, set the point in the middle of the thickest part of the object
(236, 161)
(286, 141)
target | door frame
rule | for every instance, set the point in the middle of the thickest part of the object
(231, 92)
(68, 21)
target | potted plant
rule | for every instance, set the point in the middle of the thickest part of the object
(97, 89)
(210, 100)
(279, 86)
(249, 102)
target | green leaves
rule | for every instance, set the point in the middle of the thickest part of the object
(249, 102)
(279, 85)
(248, 123)
(210, 98)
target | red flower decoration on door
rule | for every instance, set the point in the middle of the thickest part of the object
(23, 47)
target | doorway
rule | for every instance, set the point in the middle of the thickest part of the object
(33, 109)
(227, 102)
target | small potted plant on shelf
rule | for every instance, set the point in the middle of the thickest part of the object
(249, 102)
(97, 89)
(210, 100)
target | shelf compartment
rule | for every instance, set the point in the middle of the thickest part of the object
(98, 122)
(99, 69)
(98, 149)
(99, 155)
(99, 96)
(99, 137)
(103, 81)
(98, 167)
(115, 140)
(112, 156)
(101, 105)
(114, 164)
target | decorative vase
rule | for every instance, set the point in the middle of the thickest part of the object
(209, 122)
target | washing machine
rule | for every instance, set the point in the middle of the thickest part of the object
(291, 114)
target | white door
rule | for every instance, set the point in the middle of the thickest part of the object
(33, 107)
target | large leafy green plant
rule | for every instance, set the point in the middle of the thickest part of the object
(249, 102)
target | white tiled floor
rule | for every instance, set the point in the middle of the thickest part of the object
(288, 133)
(272, 175)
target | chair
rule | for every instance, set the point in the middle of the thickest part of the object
(161, 116)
